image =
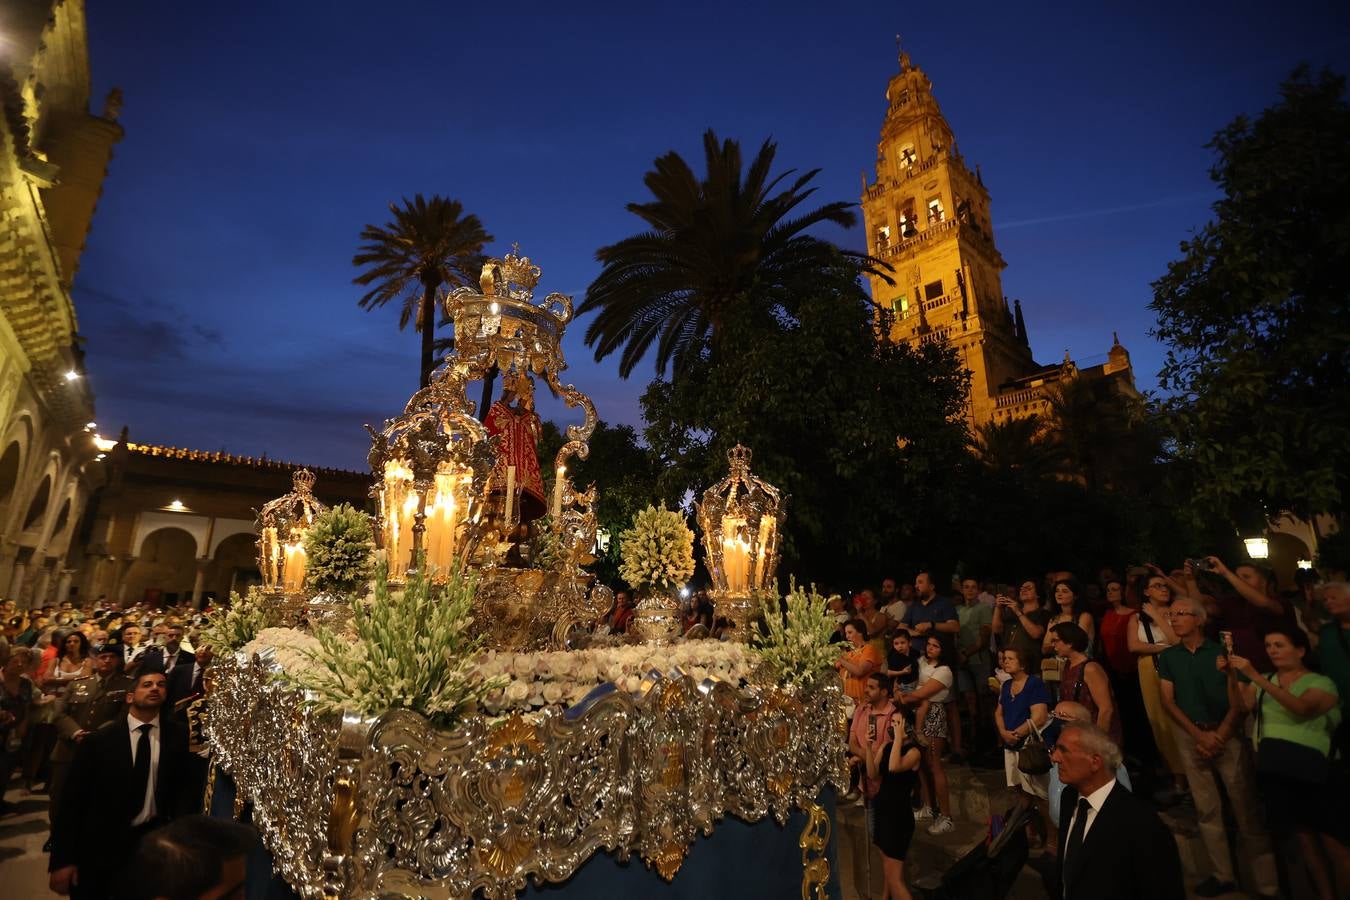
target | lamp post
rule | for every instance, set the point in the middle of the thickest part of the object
(1257, 547)
(741, 518)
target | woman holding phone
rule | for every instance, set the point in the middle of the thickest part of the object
(895, 763)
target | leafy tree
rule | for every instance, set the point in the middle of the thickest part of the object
(1104, 434)
(1023, 448)
(429, 243)
(714, 246)
(1256, 313)
(865, 436)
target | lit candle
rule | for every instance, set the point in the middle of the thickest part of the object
(558, 491)
(295, 568)
(271, 555)
(510, 494)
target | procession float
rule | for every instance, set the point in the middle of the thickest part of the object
(418, 703)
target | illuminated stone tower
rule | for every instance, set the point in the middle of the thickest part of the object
(927, 215)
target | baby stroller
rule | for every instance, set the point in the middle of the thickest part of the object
(989, 870)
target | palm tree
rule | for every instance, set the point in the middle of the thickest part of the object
(1024, 447)
(1100, 430)
(429, 243)
(713, 246)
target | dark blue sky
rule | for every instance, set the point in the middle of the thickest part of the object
(216, 295)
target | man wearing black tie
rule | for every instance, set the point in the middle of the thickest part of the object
(126, 779)
(1112, 845)
(170, 656)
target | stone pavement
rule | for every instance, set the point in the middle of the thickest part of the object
(23, 865)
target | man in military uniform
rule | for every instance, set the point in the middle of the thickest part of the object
(89, 703)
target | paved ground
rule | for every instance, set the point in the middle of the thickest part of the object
(23, 865)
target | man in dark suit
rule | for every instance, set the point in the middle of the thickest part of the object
(170, 655)
(185, 679)
(1112, 845)
(126, 779)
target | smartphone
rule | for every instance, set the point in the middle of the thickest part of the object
(1200, 564)
(1227, 638)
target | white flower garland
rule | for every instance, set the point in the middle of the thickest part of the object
(549, 678)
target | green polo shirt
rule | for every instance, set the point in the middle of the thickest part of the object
(1333, 646)
(1198, 687)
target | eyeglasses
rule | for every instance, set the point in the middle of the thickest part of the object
(1180, 612)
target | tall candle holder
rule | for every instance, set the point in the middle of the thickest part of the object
(281, 525)
(741, 518)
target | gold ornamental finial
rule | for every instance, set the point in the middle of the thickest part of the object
(739, 458)
(517, 270)
(302, 480)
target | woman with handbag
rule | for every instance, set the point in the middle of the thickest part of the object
(1296, 712)
(1023, 710)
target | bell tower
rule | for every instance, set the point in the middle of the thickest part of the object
(927, 215)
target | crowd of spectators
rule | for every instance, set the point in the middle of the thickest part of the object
(1215, 691)
(94, 712)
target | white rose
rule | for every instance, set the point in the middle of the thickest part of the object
(631, 683)
(522, 665)
(517, 691)
(587, 672)
(552, 692)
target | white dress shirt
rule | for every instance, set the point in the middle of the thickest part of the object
(1095, 801)
(133, 725)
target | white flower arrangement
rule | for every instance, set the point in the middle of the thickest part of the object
(412, 651)
(798, 648)
(657, 553)
(231, 627)
(290, 649)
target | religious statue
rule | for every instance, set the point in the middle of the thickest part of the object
(515, 424)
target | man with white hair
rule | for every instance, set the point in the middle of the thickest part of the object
(1209, 736)
(1112, 845)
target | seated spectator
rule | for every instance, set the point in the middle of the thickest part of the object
(859, 661)
(1195, 694)
(192, 858)
(1297, 711)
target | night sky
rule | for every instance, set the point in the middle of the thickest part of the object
(215, 292)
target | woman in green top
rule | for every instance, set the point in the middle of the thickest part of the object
(1301, 708)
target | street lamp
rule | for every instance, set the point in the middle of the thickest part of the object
(1257, 547)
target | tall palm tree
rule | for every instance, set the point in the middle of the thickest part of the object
(1024, 447)
(713, 244)
(429, 243)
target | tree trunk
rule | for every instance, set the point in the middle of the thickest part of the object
(427, 316)
(486, 403)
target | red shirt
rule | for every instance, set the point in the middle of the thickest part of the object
(1115, 644)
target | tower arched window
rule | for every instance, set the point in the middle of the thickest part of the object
(907, 156)
(935, 211)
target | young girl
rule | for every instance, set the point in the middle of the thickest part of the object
(935, 684)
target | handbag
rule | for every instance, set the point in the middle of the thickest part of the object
(1288, 760)
(1033, 757)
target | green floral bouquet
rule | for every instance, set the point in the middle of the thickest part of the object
(339, 550)
(657, 553)
(230, 627)
(798, 648)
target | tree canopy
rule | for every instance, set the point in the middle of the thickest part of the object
(721, 245)
(1256, 313)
